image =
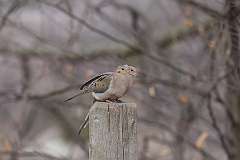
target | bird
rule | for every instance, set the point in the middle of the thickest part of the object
(108, 87)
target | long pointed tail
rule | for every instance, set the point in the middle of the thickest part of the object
(82, 92)
(84, 124)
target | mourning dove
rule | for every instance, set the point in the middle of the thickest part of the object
(109, 86)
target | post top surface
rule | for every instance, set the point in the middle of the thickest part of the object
(106, 105)
(114, 104)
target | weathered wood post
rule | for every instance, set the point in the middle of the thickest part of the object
(113, 131)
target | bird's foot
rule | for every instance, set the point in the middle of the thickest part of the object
(109, 101)
(95, 100)
(116, 101)
(119, 101)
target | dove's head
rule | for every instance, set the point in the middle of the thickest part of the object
(127, 70)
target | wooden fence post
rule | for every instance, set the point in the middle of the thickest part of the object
(113, 131)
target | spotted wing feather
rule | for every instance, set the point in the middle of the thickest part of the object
(99, 83)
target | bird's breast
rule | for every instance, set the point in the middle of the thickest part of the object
(119, 85)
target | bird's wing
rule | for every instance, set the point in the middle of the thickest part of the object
(99, 83)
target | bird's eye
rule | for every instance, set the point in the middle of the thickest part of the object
(132, 70)
(122, 68)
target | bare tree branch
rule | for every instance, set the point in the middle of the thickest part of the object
(26, 154)
(13, 8)
(217, 128)
(203, 8)
(166, 127)
(90, 27)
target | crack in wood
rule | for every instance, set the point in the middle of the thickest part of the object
(109, 119)
(123, 153)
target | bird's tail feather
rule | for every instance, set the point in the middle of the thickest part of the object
(84, 124)
(82, 92)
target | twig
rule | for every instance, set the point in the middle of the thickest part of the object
(14, 6)
(217, 128)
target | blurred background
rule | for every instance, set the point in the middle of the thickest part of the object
(187, 95)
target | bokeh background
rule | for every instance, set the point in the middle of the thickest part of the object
(187, 93)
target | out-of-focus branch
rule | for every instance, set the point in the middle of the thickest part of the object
(53, 93)
(172, 66)
(181, 34)
(203, 8)
(39, 38)
(28, 154)
(138, 20)
(210, 109)
(234, 37)
(26, 75)
(176, 85)
(13, 7)
(238, 12)
(226, 106)
(165, 42)
(187, 118)
(144, 148)
(175, 133)
(67, 125)
(90, 27)
(217, 128)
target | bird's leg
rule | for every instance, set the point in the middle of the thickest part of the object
(116, 100)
